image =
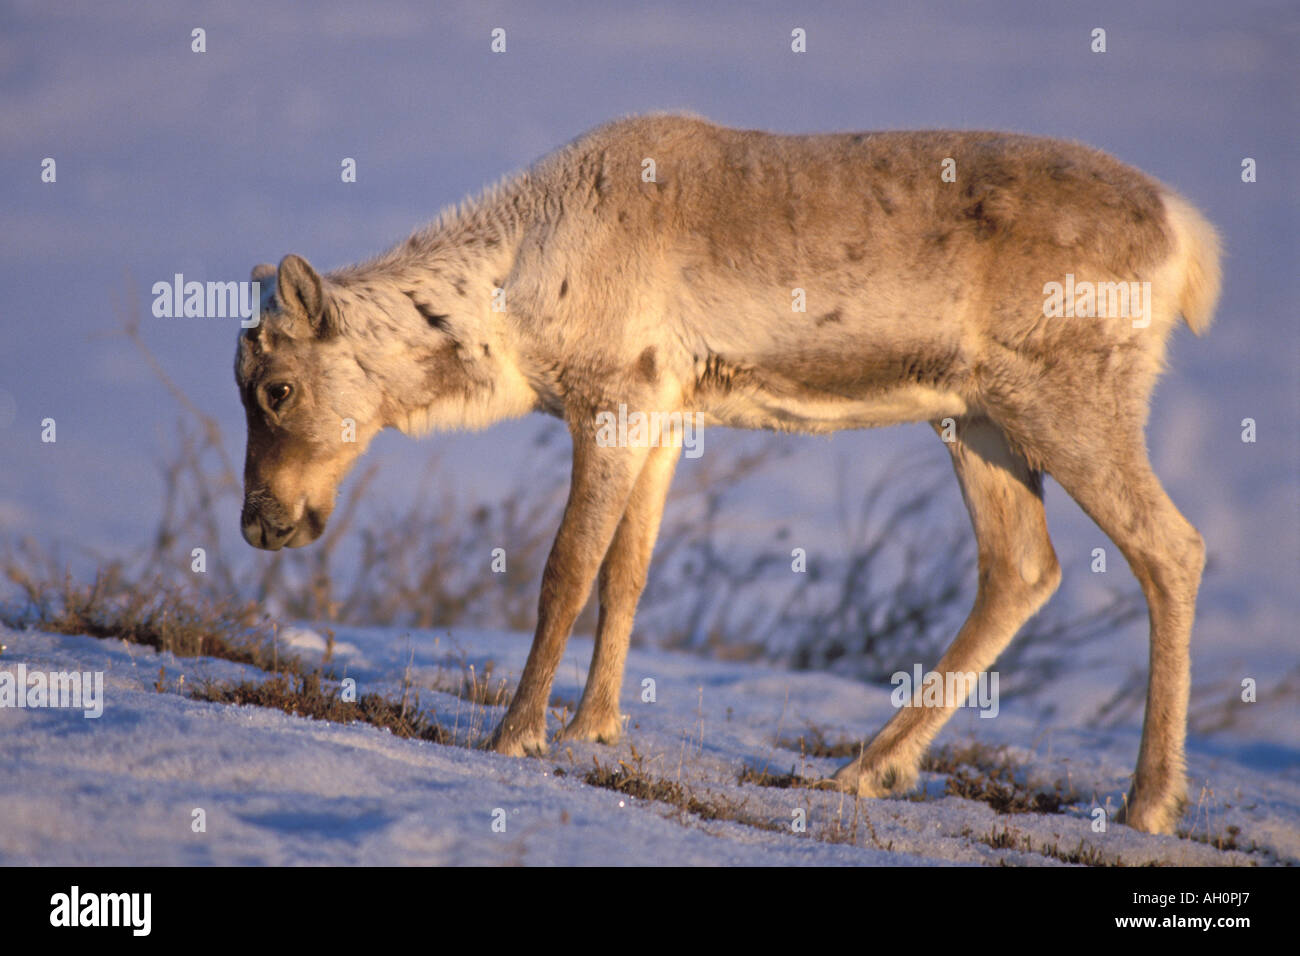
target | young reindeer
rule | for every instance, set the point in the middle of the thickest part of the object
(976, 281)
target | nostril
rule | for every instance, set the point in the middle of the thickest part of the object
(315, 521)
(274, 536)
(260, 533)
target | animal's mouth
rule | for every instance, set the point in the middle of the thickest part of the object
(272, 532)
(267, 535)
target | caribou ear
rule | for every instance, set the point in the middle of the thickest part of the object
(302, 293)
(264, 275)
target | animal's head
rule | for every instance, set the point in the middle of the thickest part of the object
(310, 407)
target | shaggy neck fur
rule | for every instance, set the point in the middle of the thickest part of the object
(420, 323)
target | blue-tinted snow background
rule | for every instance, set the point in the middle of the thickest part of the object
(205, 164)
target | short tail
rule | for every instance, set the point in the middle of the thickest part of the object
(1199, 252)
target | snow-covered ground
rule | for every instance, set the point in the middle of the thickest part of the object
(276, 789)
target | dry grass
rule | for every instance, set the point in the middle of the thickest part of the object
(949, 758)
(855, 830)
(762, 777)
(1008, 838)
(988, 774)
(632, 780)
(1226, 840)
(304, 695)
(848, 826)
(152, 614)
(813, 743)
(467, 683)
(1005, 794)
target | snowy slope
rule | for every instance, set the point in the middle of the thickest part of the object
(277, 789)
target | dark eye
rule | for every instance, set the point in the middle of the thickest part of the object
(277, 394)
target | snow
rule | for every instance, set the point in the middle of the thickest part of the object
(277, 789)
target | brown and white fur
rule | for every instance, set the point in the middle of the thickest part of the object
(925, 302)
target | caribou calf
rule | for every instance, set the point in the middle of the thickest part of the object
(1014, 292)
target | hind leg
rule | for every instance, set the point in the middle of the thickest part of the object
(1018, 572)
(1110, 477)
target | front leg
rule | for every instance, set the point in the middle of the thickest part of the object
(622, 578)
(603, 478)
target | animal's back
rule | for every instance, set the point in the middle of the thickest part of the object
(780, 207)
(909, 252)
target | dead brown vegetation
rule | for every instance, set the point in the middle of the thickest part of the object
(304, 695)
(154, 614)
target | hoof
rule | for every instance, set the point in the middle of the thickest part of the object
(518, 741)
(1155, 815)
(883, 779)
(602, 730)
